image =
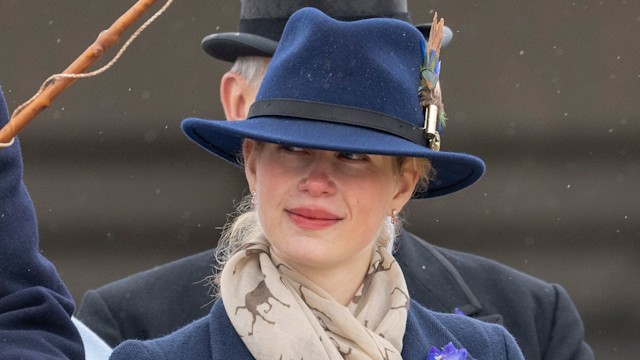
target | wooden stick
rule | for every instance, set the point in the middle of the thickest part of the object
(105, 40)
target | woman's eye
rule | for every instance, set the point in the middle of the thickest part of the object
(353, 156)
(294, 149)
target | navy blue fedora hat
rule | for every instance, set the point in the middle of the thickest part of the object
(342, 86)
(262, 21)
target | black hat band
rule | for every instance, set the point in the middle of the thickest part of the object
(339, 114)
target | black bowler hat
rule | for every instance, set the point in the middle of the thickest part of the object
(262, 21)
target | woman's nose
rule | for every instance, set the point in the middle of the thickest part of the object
(318, 179)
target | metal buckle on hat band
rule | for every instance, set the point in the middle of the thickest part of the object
(430, 123)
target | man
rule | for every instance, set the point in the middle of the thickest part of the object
(541, 316)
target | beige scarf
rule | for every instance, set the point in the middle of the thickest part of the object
(279, 314)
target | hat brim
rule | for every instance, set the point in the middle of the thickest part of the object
(231, 45)
(454, 171)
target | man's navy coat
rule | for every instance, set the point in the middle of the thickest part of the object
(213, 337)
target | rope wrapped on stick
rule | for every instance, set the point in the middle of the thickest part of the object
(55, 84)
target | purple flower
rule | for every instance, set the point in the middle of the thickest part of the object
(449, 352)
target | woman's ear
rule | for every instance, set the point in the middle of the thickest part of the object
(249, 152)
(406, 184)
(236, 96)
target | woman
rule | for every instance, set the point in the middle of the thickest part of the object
(333, 149)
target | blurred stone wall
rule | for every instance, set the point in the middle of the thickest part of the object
(545, 92)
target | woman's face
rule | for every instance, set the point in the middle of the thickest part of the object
(323, 209)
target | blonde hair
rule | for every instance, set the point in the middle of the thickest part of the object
(422, 166)
(245, 226)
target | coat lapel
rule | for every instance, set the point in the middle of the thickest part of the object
(424, 331)
(433, 281)
(416, 341)
(225, 341)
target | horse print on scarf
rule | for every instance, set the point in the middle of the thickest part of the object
(299, 318)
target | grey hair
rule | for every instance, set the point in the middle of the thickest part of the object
(251, 68)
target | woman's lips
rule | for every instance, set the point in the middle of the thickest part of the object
(312, 219)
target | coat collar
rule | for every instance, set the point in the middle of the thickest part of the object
(225, 341)
(439, 286)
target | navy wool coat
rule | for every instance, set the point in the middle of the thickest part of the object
(35, 306)
(213, 337)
